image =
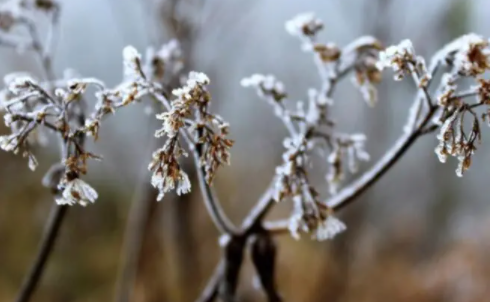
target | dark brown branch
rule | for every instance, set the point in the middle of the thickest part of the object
(264, 252)
(233, 258)
(46, 246)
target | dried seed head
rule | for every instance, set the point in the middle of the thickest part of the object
(167, 172)
(398, 58)
(326, 52)
(329, 228)
(76, 191)
(472, 57)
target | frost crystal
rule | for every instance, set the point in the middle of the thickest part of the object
(266, 86)
(76, 191)
(19, 85)
(396, 57)
(131, 61)
(329, 228)
(9, 142)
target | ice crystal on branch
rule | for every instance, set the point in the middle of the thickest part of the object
(472, 58)
(397, 57)
(266, 85)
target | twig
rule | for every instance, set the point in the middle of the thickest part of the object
(348, 194)
(37, 46)
(46, 246)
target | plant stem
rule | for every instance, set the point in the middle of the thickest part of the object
(51, 232)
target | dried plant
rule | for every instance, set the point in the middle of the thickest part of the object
(34, 108)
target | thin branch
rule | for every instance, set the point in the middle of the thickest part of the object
(258, 212)
(278, 227)
(464, 94)
(44, 57)
(211, 202)
(46, 246)
(349, 194)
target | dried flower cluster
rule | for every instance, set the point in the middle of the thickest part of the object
(189, 114)
(32, 107)
(311, 129)
(465, 57)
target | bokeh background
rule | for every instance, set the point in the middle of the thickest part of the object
(421, 234)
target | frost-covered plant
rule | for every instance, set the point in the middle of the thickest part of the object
(32, 107)
(28, 106)
(311, 128)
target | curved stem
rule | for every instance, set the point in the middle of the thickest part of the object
(51, 233)
(259, 211)
(213, 207)
(348, 194)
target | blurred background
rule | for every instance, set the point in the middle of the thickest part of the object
(419, 235)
